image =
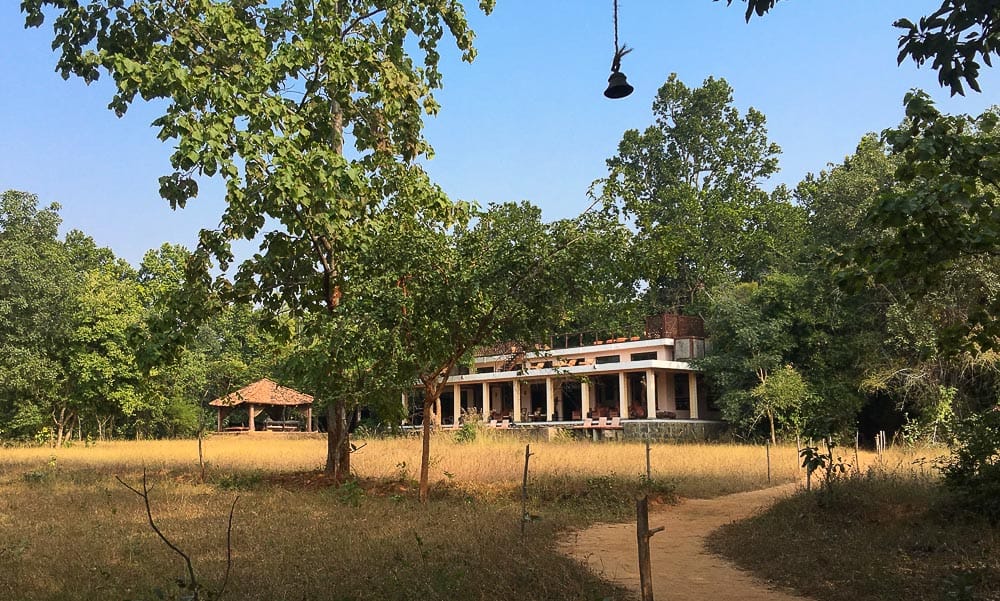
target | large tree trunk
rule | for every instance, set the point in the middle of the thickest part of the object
(64, 426)
(338, 442)
(425, 451)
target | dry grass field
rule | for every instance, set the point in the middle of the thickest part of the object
(696, 470)
(889, 532)
(69, 530)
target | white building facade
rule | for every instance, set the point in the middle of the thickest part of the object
(634, 377)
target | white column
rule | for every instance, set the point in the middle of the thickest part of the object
(437, 411)
(456, 393)
(486, 401)
(693, 394)
(650, 394)
(550, 401)
(516, 414)
(584, 398)
(623, 394)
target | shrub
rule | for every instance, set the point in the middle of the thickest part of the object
(240, 481)
(467, 432)
(973, 472)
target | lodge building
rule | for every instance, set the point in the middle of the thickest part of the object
(646, 375)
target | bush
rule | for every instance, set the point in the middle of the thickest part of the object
(467, 432)
(240, 481)
(973, 472)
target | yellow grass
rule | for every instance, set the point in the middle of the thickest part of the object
(68, 530)
(698, 470)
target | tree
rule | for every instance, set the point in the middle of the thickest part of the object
(953, 37)
(36, 307)
(67, 309)
(102, 375)
(751, 334)
(942, 215)
(265, 94)
(881, 341)
(690, 184)
(605, 293)
(229, 349)
(503, 278)
(783, 392)
(838, 199)
(839, 333)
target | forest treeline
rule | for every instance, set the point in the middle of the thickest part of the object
(829, 309)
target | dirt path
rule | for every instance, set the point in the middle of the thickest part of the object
(683, 570)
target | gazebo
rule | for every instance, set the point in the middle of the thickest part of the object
(268, 397)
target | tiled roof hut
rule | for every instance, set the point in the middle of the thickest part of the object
(269, 397)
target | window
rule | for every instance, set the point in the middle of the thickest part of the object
(650, 356)
(608, 359)
(484, 369)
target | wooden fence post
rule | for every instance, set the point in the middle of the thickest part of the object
(524, 490)
(767, 449)
(649, 469)
(643, 534)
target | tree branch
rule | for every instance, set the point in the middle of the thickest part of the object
(144, 493)
(357, 21)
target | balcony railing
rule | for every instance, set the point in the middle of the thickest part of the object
(666, 325)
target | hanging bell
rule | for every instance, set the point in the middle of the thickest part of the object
(617, 86)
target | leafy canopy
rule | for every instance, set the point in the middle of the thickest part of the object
(265, 94)
(690, 185)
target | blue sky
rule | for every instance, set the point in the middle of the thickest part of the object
(525, 121)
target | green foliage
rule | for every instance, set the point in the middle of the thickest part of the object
(350, 493)
(690, 184)
(942, 220)
(37, 282)
(240, 481)
(885, 336)
(750, 329)
(832, 468)
(467, 432)
(953, 38)
(783, 392)
(934, 424)
(973, 472)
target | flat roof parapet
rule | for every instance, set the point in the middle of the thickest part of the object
(664, 325)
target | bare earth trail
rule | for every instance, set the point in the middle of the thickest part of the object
(683, 570)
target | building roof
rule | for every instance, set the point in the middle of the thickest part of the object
(263, 392)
